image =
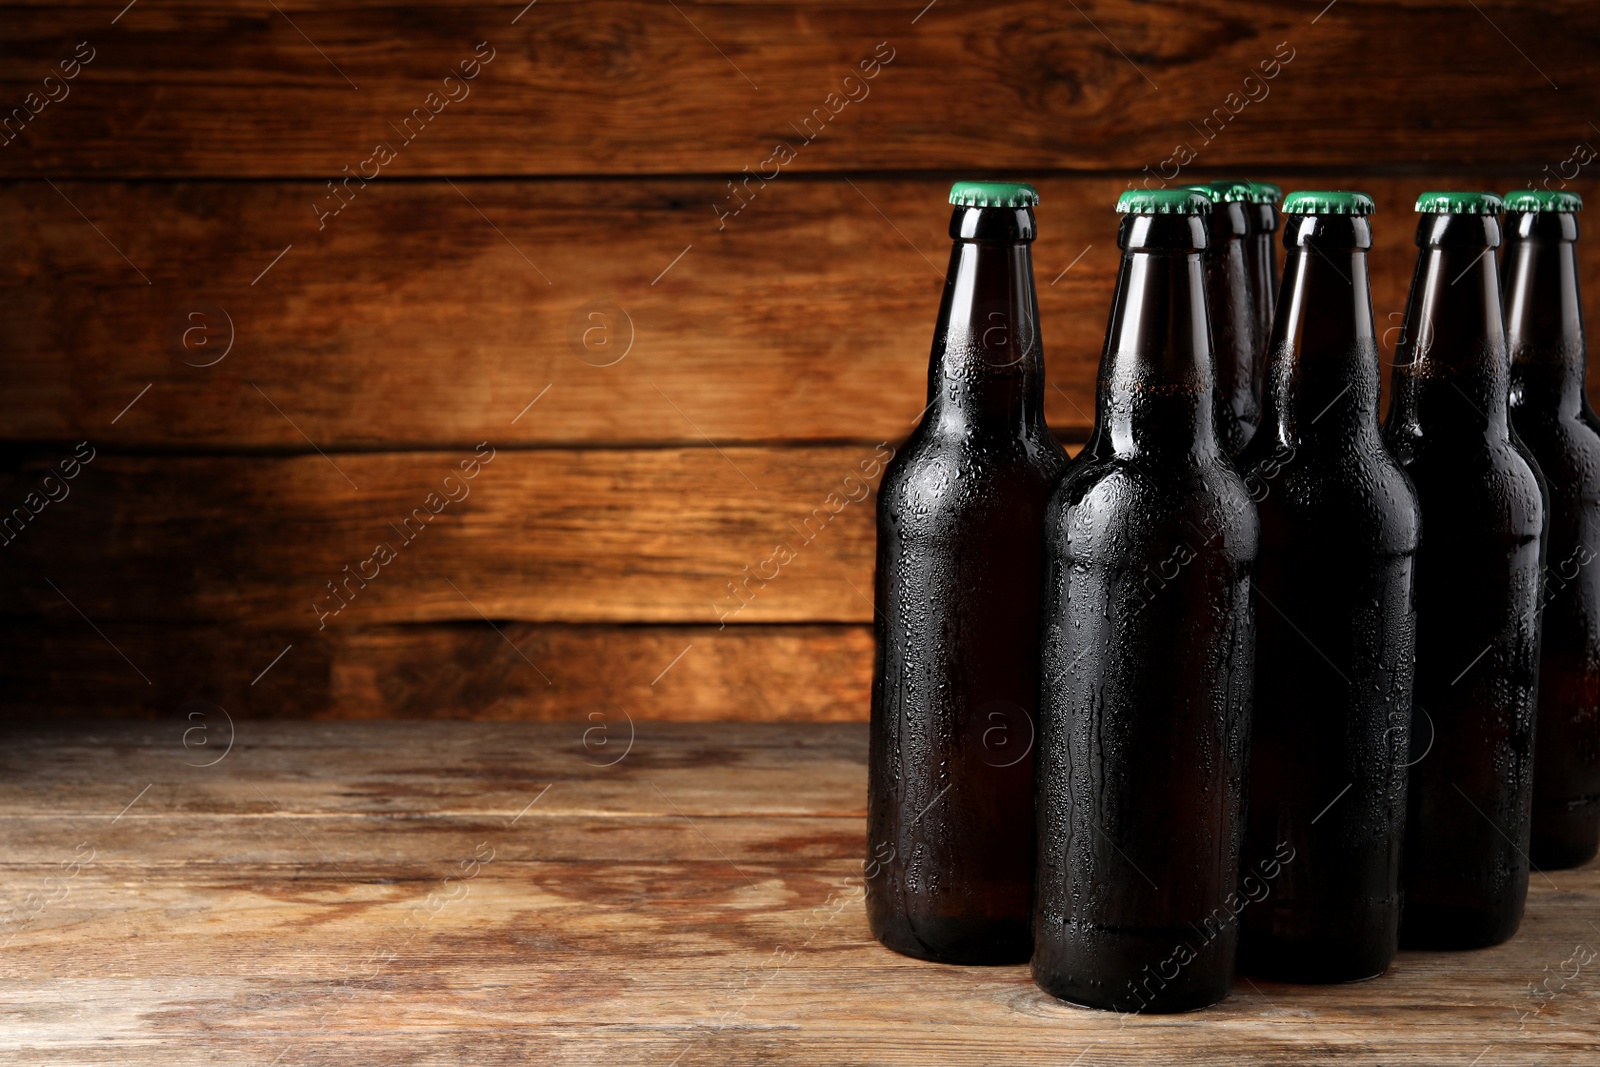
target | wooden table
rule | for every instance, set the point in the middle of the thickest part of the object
(409, 893)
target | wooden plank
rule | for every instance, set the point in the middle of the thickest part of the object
(380, 848)
(455, 671)
(91, 770)
(597, 535)
(808, 319)
(197, 87)
(575, 935)
(411, 321)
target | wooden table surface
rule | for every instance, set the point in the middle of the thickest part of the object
(430, 893)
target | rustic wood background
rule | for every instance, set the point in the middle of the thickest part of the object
(267, 386)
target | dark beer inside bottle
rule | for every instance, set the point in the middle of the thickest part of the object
(1544, 325)
(1335, 624)
(1465, 866)
(950, 789)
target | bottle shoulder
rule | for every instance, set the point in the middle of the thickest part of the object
(1565, 447)
(1350, 486)
(1123, 503)
(1467, 459)
(935, 476)
(999, 451)
(1496, 486)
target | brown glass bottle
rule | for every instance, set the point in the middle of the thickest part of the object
(1146, 669)
(1231, 298)
(1464, 868)
(1544, 330)
(1261, 253)
(955, 685)
(1335, 622)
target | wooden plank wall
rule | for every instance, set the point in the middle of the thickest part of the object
(659, 276)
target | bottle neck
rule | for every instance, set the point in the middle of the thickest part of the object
(1323, 377)
(1230, 298)
(1544, 318)
(1263, 258)
(1451, 373)
(986, 373)
(1157, 377)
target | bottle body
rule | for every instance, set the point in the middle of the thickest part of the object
(1336, 628)
(950, 801)
(1552, 416)
(1150, 541)
(1479, 568)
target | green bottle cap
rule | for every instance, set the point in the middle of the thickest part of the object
(1226, 191)
(1164, 202)
(1542, 200)
(993, 194)
(1446, 202)
(1328, 202)
(1265, 193)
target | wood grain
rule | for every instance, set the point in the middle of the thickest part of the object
(195, 88)
(601, 676)
(553, 535)
(412, 769)
(414, 321)
(697, 901)
(246, 345)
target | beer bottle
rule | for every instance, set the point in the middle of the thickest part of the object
(1262, 254)
(955, 686)
(1335, 623)
(1464, 868)
(1146, 663)
(1231, 297)
(1544, 330)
